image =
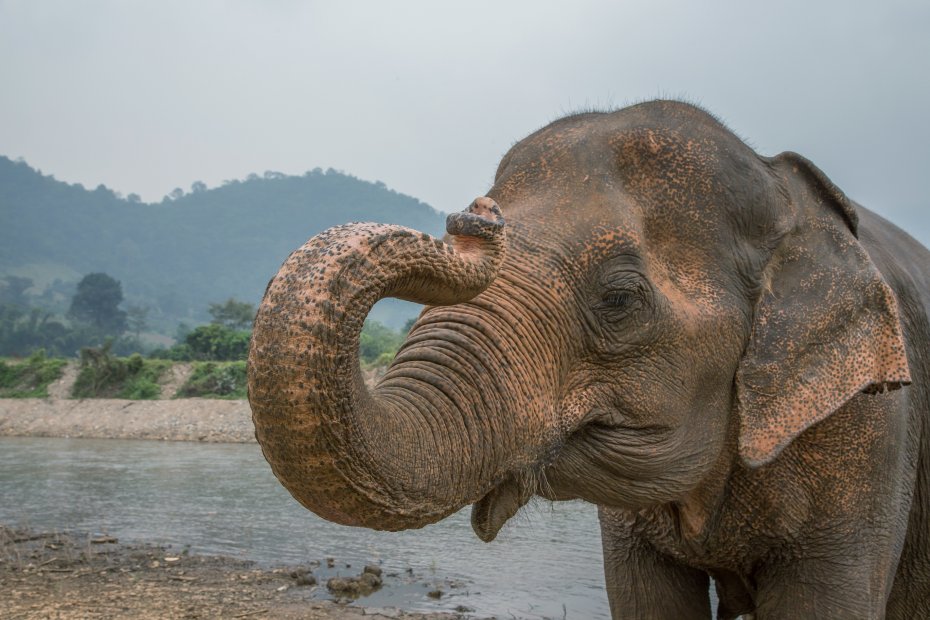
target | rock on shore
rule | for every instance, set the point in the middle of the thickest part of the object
(74, 576)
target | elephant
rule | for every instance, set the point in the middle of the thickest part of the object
(721, 350)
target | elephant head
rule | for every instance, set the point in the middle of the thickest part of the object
(661, 303)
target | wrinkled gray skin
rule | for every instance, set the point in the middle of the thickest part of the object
(719, 349)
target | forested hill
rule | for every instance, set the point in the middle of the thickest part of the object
(177, 256)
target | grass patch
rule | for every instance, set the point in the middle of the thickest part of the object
(226, 380)
(30, 378)
(105, 376)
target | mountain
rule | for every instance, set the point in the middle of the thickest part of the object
(177, 256)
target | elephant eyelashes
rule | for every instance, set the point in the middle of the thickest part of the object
(618, 304)
(619, 300)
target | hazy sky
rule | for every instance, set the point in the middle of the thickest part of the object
(426, 96)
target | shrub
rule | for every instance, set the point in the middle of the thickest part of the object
(30, 378)
(215, 380)
(378, 343)
(178, 353)
(212, 342)
(218, 342)
(384, 359)
(140, 387)
(103, 375)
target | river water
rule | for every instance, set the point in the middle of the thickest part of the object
(223, 499)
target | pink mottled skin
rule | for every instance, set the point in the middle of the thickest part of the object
(721, 350)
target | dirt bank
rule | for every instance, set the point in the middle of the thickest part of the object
(61, 575)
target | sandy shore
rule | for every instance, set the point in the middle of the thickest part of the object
(188, 419)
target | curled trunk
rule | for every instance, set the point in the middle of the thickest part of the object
(359, 458)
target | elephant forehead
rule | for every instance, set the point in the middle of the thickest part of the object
(665, 158)
(677, 180)
(658, 142)
(607, 239)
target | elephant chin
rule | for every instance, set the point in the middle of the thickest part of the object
(491, 512)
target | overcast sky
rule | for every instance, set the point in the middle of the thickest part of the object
(426, 96)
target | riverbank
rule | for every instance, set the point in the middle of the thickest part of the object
(68, 575)
(165, 419)
(186, 419)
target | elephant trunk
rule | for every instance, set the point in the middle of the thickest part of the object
(375, 459)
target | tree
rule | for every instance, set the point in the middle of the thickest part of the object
(234, 314)
(217, 342)
(376, 340)
(182, 331)
(14, 291)
(137, 319)
(96, 303)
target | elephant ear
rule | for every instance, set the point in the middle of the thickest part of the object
(825, 327)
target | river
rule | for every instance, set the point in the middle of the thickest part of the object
(222, 499)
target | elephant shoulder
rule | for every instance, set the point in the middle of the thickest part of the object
(902, 260)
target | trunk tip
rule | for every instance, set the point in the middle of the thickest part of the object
(483, 218)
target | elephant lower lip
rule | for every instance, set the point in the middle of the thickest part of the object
(491, 512)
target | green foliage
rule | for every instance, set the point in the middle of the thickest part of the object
(225, 380)
(208, 343)
(23, 331)
(180, 352)
(236, 315)
(216, 342)
(104, 375)
(142, 386)
(30, 378)
(384, 359)
(378, 344)
(96, 303)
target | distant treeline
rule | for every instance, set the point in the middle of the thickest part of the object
(177, 256)
(96, 327)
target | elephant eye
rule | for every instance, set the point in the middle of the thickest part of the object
(618, 304)
(621, 290)
(618, 299)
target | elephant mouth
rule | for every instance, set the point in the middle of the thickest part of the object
(505, 499)
(491, 512)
